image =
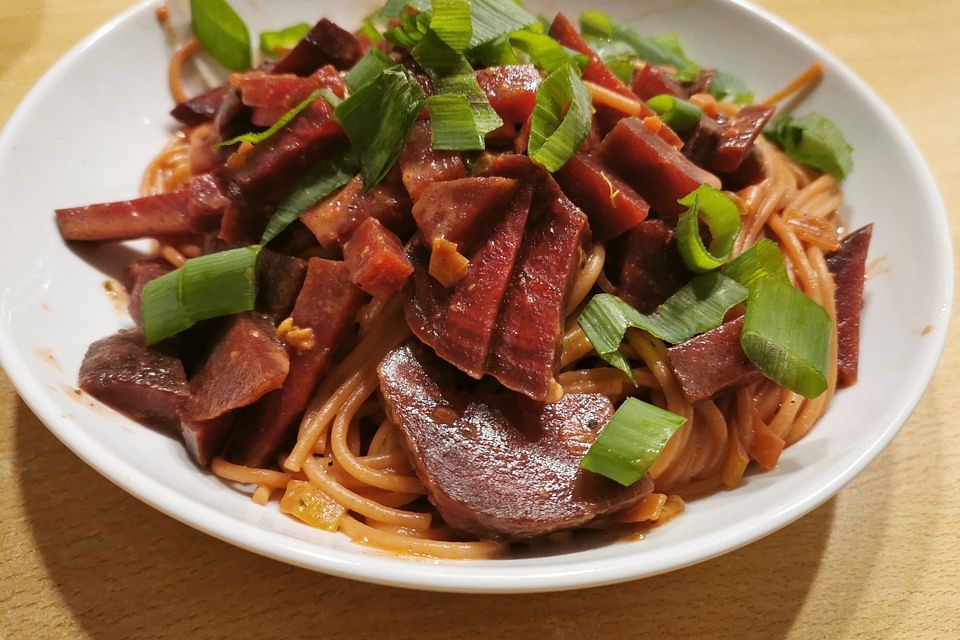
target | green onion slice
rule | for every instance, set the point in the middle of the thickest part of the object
(273, 43)
(496, 53)
(728, 88)
(697, 307)
(631, 442)
(813, 140)
(721, 217)
(543, 51)
(367, 68)
(562, 118)
(378, 119)
(256, 137)
(492, 19)
(762, 260)
(394, 8)
(678, 114)
(451, 22)
(597, 24)
(787, 335)
(319, 183)
(216, 285)
(453, 127)
(222, 33)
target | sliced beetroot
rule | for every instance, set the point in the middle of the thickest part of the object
(701, 141)
(750, 172)
(272, 95)
(738, 136)
(376, 261)
(712, 362)
(703, 81)
(611, 204)
(268, 171)
(499, 465)
(279, 279)
(460, 210)
(161, 215)
(646, 266)
(654, 81)
(136, 276)
(201, 108)
(325, 43)
(848, 266)
(208, 202)
(658, 172)
(327, 305)
(596, 71)
(145, 383)
(334, 219)
(511, 90)
(525, 351)
(421, 166)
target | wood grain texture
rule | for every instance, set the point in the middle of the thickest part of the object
(81, 558)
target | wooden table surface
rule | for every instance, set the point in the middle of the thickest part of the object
(81, 558)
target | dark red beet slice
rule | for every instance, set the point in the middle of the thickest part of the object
(712, 362)
(659, 173)
(326, 43)
(702, 140)
(596, 71)
(848, 266)
(149, 217)
(334, 219)
(421, 166)
(499, 465)
(208, 202)
(142, 382)
(136, 276)
(327, 304)
(749, 173)
(654, 81)
(268, 171)
(201, 108)
(376, 261)
(525, 350)
(647, 268)
(279, 279)
(702, 83)
(738, 136)
(511, 90)
(459, 210)
(272, 95)
(611, 204)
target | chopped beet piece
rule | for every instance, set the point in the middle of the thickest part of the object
(511, 90)
(702, 83)
(702, 140)
(499, 465)
(659, 173)
(461, 210)
(136, 276)
(848, 265)
(375, 259)
(142, 382)
(279, 278)
(647, 266)
(421, 166)
(596, 71)
(426, 301)
(201, 108)
(268, 171)
(712, 362)
(148, 217)
(337, 216)
(272, 95)
(654, 81)
(208, 202)
(611, 204)
(326, 43)
(738, 136)
(327, 304)
(526, 345)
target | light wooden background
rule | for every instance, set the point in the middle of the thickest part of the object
(81, 558)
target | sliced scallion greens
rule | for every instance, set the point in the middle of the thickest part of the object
(562, 118)
(256, 137)
(762, 260)
(728, 88)
(274, 43)
(631, 442)
(543, 51)
(367, 68)
(451, 23)
(492, 19)
(814, 140)
(679, 115)
(453, 127)
(222, 33)
(721, 216)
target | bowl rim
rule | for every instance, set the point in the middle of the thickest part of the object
(461, 576)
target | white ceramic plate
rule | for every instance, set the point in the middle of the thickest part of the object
(92, 123)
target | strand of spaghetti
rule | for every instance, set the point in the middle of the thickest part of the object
(614, 100)
(589, 272)
(439, 549)
(381, 440)
(175, 71)
(810, 75)
(810, 190)
(248, 475)
(785, 416)
(261, 495)
(793, 249)
(574, 346)
(713, 420)
(175, 155)
(434, 533)
(767, 399)
(364, 506)
(647, 510)
(775, 188)
(388, 498)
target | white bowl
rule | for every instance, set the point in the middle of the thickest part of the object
(91, 124)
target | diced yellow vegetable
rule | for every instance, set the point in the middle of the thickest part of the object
(305, 502)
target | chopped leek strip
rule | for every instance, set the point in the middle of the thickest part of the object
(596, 23)
(222, 33)
(453, 127)
(543, 51)
(787, 335)
(378, 119)
(274, 43)
(762, 260)
(319, 183)
(562, 118)
(721, 217)
(631, 442)
(678, 114)
(215, 285)
(492, 19)
(256, 137)
(367, 68)
(394, 8)
(451, 22)
(697, 307)
(813, 140)
(728, 88)
(496, 53)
